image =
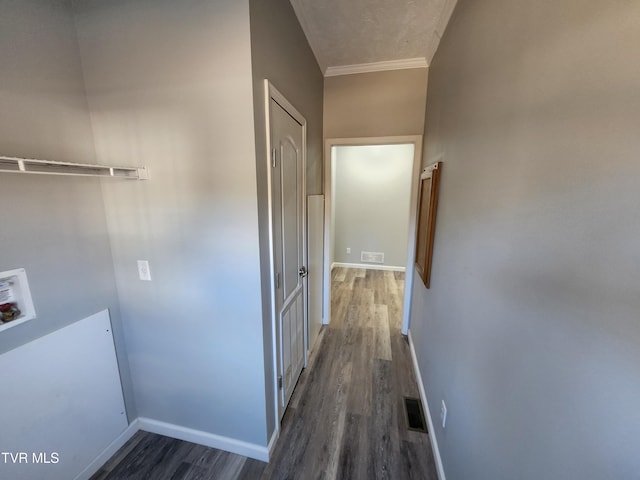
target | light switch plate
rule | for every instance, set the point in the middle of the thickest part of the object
(143, 270)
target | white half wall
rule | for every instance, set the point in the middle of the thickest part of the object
(61, 402)
(315, 222)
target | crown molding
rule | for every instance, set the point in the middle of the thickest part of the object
(419, 62)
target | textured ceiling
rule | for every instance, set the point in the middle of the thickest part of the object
(352, 32)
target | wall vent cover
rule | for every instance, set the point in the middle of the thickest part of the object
(372, 257)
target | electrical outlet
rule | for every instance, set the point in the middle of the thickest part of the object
(443, 414)
(348, 250)
(143, 270)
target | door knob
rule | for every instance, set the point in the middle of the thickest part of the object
(303, 271)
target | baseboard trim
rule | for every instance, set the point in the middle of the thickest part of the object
(207, 439)
(367, 266)
(108, 452)
(273, 441)
(423, 396)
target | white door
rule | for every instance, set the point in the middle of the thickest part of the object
(288, 203)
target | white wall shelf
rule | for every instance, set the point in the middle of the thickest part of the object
(49, 167)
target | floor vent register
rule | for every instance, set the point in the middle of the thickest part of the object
(414, 415)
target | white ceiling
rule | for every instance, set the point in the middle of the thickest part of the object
(354, 32)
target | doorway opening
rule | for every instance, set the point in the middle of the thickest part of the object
(371, 197)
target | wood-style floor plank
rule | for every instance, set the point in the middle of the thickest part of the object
(346, 417)
(354, 453)
(119, 456)
(381, 327)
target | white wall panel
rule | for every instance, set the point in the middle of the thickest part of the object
(315, 221)
(61, 398)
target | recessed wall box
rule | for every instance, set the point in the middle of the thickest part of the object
(16, 305)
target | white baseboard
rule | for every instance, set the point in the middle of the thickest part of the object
(368, 266)
(212, 440)
(108, 452)
(423, 396)
(272, 442)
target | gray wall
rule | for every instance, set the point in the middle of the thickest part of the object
(375, 104)
(169, 86)
(280, 53)
(371, 195)
(54, 227)
(530, 330)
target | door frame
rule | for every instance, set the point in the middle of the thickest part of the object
(271, 92)
(416, 140)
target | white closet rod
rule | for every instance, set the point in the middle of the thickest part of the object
(50, 167)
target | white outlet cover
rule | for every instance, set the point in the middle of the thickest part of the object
(443, 414)
(143, 270)
(348, 250)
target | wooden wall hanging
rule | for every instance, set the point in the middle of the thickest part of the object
(427, 208)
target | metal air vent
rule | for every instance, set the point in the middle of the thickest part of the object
(372, 257)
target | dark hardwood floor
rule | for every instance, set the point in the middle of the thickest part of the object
(346, 416)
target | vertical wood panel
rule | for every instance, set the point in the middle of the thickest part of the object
(315, 206)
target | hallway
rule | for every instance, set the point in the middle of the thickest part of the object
(346, 418)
